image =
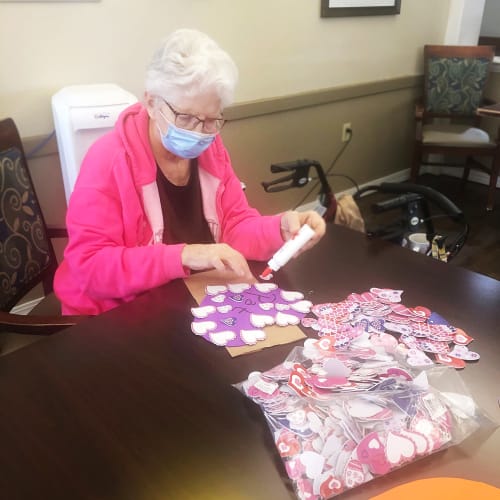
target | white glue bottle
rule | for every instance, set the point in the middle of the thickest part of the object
(287, 251)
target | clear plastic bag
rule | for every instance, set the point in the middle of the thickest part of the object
(342, 418)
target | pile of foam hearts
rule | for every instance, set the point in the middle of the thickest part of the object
(378, 317)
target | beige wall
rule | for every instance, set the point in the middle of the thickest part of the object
(366, 66)
(281, 46)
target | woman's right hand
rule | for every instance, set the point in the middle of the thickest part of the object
(215, 256)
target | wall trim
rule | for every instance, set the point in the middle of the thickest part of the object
(322, 96)
(249, 109)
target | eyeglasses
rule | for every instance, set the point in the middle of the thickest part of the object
(192, 122)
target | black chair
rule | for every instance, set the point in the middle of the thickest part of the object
(455, 77)
(27, 257)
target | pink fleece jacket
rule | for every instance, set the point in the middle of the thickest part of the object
(115, 222)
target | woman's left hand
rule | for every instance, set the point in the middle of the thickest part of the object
(292, 221)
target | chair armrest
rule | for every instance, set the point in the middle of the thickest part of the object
(56, 231)
(36, 325)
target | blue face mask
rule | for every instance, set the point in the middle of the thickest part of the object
(185, 143)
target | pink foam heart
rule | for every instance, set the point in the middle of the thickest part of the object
(203, 327)
(420, 442)
(221, 338)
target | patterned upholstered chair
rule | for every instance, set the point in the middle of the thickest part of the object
(27, 257)
(446, 119)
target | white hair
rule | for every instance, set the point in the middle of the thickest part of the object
(188, 63)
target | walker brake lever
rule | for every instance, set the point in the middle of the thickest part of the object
(299, 176)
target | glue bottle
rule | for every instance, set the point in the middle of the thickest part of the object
(287, 251)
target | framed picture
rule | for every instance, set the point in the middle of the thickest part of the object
(345, 8)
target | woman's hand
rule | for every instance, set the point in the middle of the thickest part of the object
(215, 256)
(292, 221)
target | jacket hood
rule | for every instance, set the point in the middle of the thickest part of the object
(132, 128)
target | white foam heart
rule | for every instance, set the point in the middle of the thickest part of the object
(313, 462)
(283, 319)
(265, 287)
(335, 368)
(202, 311)
(420, 441)
(222, 338)
(360, 408)
(462, 352)
(218, 299)
(202, 327)
(224, 309)
(215, 289)
(251, 337)
(302, 306)
(374, 444)
(261, 320)
(238, 287)
(266, 306)
(291, 296)
(282, 307)
(399, 449)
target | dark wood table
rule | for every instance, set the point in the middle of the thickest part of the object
(132, 405)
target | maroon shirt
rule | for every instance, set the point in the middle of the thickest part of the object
(182, 209)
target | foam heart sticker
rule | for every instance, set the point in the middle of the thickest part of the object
(261, 320)
(302, 306)
(265, 287)
(287, 443)
(335, 368)
(354, 474)
(371, 451)
(462, 352)
(283, 319)
(215, 289)
(203, 327)
(218, 299)
(362, 409)
(462, 338)
(221, 338)
(290, 296)
(224, 309)
(313, 462)
(202, 312)
(251, 337)
(330, 486)
(447, 360)
(266, 306)
(420, 441)
(282, 307)
(399, 449)
(294, 468)
(416, 358)
(387, 294)
(238, 287)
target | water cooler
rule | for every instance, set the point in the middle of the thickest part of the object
(83, 113)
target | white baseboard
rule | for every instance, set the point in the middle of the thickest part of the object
(26, 307)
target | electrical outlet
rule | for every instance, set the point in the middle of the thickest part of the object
(346, 132)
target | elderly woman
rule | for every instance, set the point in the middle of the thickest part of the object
(157, 198)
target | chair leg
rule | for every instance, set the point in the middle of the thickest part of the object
(417, 159)
(465, 175)
(495, 170)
